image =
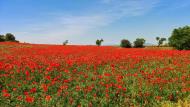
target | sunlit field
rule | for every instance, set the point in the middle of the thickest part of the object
(92, 76)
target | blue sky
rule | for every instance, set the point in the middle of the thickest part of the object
(84, 21)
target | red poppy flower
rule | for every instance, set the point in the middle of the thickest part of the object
(29, 99)
(48, 98)
(6, 95)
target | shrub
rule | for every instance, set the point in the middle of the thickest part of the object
(2, 38)
(139, 43)
(125, 43)
(180, 38)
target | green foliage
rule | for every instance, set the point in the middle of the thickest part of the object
(65, 42)
(2, 38)
(125, 43)
(9, 37)
(180, 38)
(99, 42)
(160, 40)
(139, 43)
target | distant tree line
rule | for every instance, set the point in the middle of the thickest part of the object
(8, 37)
(180, 39)
(138, 43)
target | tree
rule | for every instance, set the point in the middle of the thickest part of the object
(125, 43)
(139, 43)
(9, 37)
(160, 40)
(180, 38)
(99, 42)
(2, 38)
(65, 42)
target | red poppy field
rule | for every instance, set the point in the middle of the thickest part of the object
(55, 75)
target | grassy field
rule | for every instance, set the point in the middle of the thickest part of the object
(92, 76)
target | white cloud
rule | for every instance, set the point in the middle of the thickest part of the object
(65, 27)
(77, 27)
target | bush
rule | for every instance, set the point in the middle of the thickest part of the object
(2, 38)
(139, 43)
(180, 38)
(125, 43)
(9, 37)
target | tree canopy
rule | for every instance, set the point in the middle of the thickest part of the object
(8, 37)
(125, 43)
(139, 43)
(180, 38)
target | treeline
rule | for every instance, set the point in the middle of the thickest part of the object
(180, 39)
(8, 37)
(138, 43)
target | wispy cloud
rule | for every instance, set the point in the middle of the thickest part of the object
(128, 8)
(65, 27)
(77, 26)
